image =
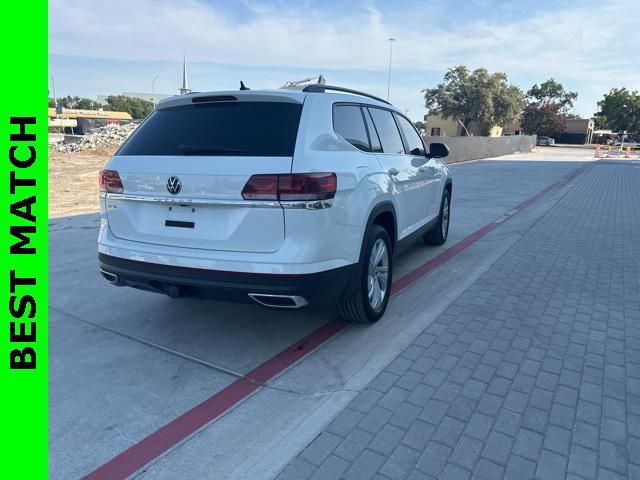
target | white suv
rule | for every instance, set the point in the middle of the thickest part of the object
(284, 198)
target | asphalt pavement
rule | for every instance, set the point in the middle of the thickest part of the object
(125, 364)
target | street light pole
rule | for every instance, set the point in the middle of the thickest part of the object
(391, 40)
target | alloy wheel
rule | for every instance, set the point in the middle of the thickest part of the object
(445, 217)
(378, 274)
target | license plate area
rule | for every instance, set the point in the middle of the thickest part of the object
(181, 216)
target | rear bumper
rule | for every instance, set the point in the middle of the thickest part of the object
(303, 252)
(320, 288)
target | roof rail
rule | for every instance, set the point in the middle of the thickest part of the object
(319, 88)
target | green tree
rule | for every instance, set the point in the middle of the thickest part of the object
(544, 120)
(76, 102)
(478, 96)
(547, 107)
(552, 93)
(620, 111)
(599, 121)
(137, 107)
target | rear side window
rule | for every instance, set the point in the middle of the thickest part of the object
(414, 142)
(387, 131)
(255, 129)
(349, 124)
(373, 135)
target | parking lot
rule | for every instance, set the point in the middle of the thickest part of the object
(515, 347)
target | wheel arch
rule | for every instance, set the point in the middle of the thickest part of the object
(448, 185)
(384, 214)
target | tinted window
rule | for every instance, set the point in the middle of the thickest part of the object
(373, 135)
(349, 124)
(411, 136)
(262, 129)
(387, 131)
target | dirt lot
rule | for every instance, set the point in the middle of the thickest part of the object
(73, 181)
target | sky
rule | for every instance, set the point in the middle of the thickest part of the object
(109, 47)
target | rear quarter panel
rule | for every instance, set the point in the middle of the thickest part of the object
(361, 182)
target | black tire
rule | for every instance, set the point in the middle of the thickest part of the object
(438, 235)
(355, 306)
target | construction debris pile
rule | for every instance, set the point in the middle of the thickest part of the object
(107, 136)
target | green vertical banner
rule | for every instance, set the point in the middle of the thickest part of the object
(23, 248)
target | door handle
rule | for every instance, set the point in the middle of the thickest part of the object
(393, 171)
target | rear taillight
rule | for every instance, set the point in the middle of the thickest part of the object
(261, 187)
(291, 187)
(110, 182)
(307, 186)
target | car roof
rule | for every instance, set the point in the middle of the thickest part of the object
(277, 95)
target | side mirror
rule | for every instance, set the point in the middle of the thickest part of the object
(438, 150)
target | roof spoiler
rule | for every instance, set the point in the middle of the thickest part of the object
(319, 88)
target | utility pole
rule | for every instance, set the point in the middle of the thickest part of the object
(391, 40)
(53, 87)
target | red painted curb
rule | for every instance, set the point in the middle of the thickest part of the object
(140, 454)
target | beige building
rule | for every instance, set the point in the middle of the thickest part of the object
(583, 126)
(438, 126)
(573, 127)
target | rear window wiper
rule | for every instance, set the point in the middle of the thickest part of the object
(207, 150)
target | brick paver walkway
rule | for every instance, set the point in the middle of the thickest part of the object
(534, 371)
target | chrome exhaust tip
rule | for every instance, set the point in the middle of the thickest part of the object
(110, 277)
(278, 301)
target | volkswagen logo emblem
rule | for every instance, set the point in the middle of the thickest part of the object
(174, 185)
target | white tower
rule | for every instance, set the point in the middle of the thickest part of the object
(185, 82)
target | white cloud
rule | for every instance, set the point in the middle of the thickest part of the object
(594, 46)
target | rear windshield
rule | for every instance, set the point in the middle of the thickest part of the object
(260, 129)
